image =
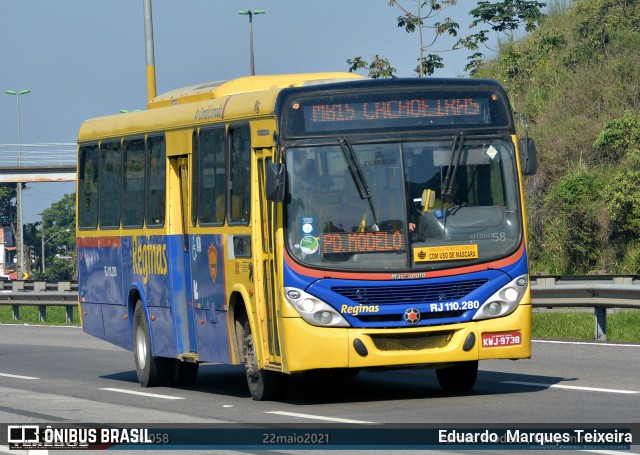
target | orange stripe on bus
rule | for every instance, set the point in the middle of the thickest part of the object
(98, 242)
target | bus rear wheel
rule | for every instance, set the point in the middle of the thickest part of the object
(183, 373)
(151, 371)
(263, 384)
(460, 377)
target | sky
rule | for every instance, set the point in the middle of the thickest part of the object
(86, 58)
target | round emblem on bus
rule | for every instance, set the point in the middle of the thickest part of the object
(411, 316)
(212, 256)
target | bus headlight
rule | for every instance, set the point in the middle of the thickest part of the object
(504, 301)
(313, 310)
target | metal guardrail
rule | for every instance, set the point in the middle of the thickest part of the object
(40, 294)
(591, 291)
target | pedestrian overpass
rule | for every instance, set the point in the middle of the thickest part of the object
(34, 163)
(29, 163)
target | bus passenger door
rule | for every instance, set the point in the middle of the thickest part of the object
(267, 285)
(183, 311)
(207, 233)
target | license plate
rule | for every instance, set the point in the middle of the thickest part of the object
(496, 340)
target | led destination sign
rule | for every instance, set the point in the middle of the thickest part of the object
(391, 111)
(394, 109)
(362, 242)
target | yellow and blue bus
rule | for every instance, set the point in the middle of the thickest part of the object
(307, 223)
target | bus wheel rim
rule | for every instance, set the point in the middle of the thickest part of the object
(141, 347)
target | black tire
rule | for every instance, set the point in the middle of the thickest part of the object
(263, 385)
(151, 371)
(183, 373)
(460, 377)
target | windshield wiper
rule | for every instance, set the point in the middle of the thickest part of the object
(449, 179)
(358, 177)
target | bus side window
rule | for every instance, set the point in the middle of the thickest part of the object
(133, 183)
(88, 187)
(110, 184)
(211, 167)
(156, 181)
(240, 149)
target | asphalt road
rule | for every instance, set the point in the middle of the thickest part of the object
(60, 375)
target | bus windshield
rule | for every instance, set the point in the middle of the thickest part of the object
(398, 206)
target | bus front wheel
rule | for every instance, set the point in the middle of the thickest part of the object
(151, 371)
(263, 384)
(460, 377)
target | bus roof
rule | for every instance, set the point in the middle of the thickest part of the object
(236, 99)
(219, 89)
(233, 95)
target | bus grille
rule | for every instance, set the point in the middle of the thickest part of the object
(409, 295)
(412, 342)
(398, 317)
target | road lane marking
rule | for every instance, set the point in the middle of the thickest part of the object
(589, 343)
(316, 417)
(571, 387)
(142, 394)
(15, 376)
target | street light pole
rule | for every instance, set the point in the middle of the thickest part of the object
(250, 13)
(19, 230)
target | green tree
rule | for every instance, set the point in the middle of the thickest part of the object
(424, 20)
(59, 237)
(502, 17)
(7, 207)
(378, 68)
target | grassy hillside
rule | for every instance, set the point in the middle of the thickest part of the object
(577, 78)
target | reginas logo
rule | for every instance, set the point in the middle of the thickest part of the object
(148, 258)
(355, 310)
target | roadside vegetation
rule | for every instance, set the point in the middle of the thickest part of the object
(576, 79)
(622, 326)
(30, 315)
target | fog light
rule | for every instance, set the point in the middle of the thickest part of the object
(293, 294)
(325, 317)
(494, 308)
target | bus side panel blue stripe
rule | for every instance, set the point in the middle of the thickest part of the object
(100, 285)
(176, 329)
(210, 301)
(92, 319)
(162, 339)
(117, 329)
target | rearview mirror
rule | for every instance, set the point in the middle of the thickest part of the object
(275, 182)
(528, 156)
